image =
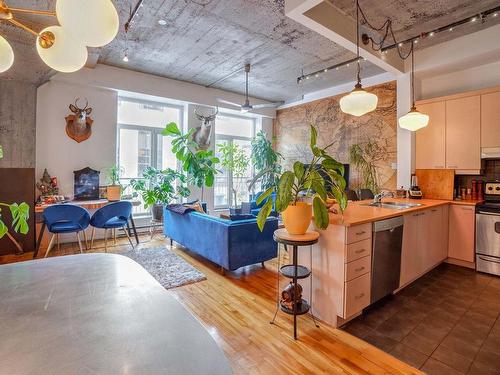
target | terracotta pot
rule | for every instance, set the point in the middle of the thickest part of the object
(114, 192)
(297, 218)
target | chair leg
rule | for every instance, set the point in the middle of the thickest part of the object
(92, 238)
(79, 242)
(51, 243)
(128, 236)
(114, 236)
(58, 243)
(85, 240)
(105, 240)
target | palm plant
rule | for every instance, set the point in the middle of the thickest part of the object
(362, 156)
(266, 162)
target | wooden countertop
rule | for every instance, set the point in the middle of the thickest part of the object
(358, 213)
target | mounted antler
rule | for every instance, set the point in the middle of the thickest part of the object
(206, 119)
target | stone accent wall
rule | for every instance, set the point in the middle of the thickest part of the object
(380, 126)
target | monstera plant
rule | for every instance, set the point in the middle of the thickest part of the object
(306, 183)
(20, 214)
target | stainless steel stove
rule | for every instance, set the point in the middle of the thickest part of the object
(488, 230)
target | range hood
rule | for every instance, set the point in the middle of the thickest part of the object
(490, 153)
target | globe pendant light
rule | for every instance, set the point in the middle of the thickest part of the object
(413, 120)
(60, 51)
(95, 23)
(6, 55)
(358, 102)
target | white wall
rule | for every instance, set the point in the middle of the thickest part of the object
(55, 150)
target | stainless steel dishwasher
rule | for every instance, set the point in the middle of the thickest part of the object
(386, 257)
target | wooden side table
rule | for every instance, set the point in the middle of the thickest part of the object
(295, 272)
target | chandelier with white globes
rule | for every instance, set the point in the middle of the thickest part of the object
(63, 47)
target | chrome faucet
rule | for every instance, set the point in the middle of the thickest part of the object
(378, 198)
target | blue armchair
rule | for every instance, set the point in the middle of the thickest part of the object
(111, 217)
(230, 244)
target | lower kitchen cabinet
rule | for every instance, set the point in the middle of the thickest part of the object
(461, 235)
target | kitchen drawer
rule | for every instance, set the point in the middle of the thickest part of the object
(358, 250)
(359, 232)
(356, 295)
(358, 268)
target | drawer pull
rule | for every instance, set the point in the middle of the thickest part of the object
(438, 166)
(466, 208)
(360, 251)
(359, 269)
(453, 166)
(359, 296)
(360, 233)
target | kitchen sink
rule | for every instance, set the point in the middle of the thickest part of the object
(393, 205)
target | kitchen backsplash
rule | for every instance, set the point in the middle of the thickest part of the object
(491, 172)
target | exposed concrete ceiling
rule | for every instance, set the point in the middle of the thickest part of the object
(205, 40)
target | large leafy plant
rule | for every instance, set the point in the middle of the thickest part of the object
(234, 160)
(363, 157)
(114, 173)
(20, 214)
(307, 182)
(199, 165)
(266, 162)
(159, 186)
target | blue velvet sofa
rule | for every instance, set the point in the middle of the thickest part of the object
(230, 244)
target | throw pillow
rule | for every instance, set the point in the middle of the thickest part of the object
(195, 206)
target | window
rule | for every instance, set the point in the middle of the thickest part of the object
(237, 130)
(140, 143)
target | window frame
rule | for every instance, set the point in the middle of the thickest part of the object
(230, 139)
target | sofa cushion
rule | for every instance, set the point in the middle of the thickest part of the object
(241, 217)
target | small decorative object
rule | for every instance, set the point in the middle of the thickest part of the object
(287, 296)
(86, 184)
(79, 125)
(203, 133)
(297, 188)
(114, 190)
(47, 185)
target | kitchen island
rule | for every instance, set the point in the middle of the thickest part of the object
(342, 259)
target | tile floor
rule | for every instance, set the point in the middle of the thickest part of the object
(447, 322)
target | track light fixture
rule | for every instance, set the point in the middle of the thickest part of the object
(92, 23)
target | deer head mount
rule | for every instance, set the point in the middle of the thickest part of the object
(203, 132)
(79, 124)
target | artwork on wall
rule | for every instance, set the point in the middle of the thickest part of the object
(378, 128)
(79, 124)
(203, 134)
(86, 184)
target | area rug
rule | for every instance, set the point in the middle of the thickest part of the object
(169, 269)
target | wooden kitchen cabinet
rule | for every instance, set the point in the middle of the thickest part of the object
(461, 233)
(463, 134)
(430, 141)
(490, 120)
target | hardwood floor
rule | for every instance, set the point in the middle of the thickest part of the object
(236, 309)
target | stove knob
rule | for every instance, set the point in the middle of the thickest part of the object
(490, 188)
(497, 188)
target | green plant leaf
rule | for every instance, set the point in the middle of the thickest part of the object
(20, 215)
(171, 130)
(321, 218)
(3, 229)
(1, 154)
(264, 196)
(284, 193)
(314, 137)
(331, 164)
(264, 213)
(318, 186)
(298, 169)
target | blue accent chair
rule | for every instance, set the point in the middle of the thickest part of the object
(255, 208)
(113, 216)
(230, 244)
(66, 218)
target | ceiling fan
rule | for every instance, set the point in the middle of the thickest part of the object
(246, 107)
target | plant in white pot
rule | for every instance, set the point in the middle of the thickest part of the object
(114, 189)
(304, 190)
(160, 187)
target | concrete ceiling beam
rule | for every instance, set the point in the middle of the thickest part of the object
(326, 19)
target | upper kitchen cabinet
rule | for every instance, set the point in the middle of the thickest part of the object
(490, 120)
(430, 141)
(463, 134)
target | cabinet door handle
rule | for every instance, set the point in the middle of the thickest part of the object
(438, 166)
(360, 251)
(466, 208)
(359, 296)
(434, 210)
(360, 233)
(453, 166)
(359, 269)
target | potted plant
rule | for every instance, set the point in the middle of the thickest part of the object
(158, 188)
(363, 157)
(114, 189)
(265, 161)
(235, 161)
(199, 165)
(303, 190)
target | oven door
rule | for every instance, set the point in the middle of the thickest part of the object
(488, 233)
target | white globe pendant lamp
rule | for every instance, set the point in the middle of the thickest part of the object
(6, 55)
(60, 51)
(413, 120)
(358, 102)
(95, 23)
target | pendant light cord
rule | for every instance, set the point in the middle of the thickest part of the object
(357, 41)
(412, 77)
